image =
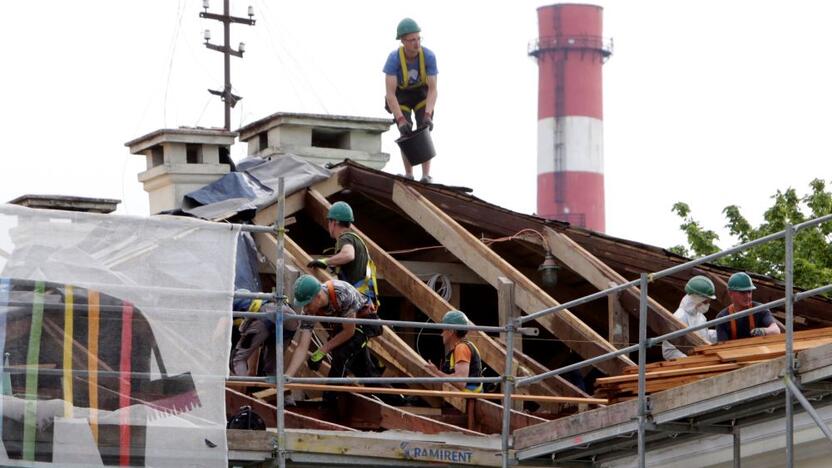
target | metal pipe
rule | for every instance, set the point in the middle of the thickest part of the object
(280, 299)
(604, 357)
(642, 364)
(529, 331)
(579, 301)
(812, 222)
(256, 228)
(391, 380)
(789, 344)
(808, 407)
(737, 458)
(508, 388)
(253, 295)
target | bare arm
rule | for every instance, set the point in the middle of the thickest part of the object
(299, 357)
(390, 83)
(433, 92)
(460, 370)
(344, 256)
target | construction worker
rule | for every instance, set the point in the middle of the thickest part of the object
(699, 292)
(462, 358)
(760, 323)
(255, 332)
(347, 342)
(410, 83)
(351, 261)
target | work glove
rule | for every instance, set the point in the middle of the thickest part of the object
(318, 263)
(405, 127)
(315, 361)
(427, 121)
(758, 332)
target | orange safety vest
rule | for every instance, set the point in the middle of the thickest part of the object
(752, 325)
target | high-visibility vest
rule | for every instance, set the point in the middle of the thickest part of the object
(474, 369)
(368, 285)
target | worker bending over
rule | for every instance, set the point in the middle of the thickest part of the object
(691, 312)
(462, 358)
(760, 323)
(351, 262)
(410, 85)
(347, 341)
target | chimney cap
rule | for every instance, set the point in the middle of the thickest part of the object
(67, 203)
(343, 122)
(198, 135)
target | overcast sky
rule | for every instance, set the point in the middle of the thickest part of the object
(708, 102)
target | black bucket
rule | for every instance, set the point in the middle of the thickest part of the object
(417, 147)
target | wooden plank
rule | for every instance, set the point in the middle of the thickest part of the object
(481, 259)
(668, 373)
(768, 351)
(660, 320)
(426, 299)
(442, 393)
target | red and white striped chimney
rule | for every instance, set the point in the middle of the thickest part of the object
(570, 135)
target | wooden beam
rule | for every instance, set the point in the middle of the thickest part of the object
(392, 418)
(417, 292)
(564, 325)
(489, 417)
(619, 321)
(507, 311)
(660, 320)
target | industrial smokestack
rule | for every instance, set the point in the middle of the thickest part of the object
(570, 138)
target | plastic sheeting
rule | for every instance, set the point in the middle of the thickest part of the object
(253, 187)
(115, 334)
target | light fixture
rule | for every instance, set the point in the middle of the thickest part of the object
(207, 35)
(250, 11)
(205, 5)
(242, 47)
(549, 270)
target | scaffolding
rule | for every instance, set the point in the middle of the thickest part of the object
(790, 384)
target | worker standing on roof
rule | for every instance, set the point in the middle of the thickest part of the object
(691, 312)
(352, 261)
(462, 358)
(760, 323)
(410, 82)
(347, 341)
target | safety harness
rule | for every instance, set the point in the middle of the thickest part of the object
(751, 324)
(334, 305)
(475, 369)
(368, 285)
(405, 86)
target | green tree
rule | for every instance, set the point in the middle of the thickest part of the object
(812, 247)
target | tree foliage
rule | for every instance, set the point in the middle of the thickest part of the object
(812, 248)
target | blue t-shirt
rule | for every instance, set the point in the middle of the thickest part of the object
(393, 66)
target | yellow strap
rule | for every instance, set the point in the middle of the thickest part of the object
(405, 75)
(68, 333)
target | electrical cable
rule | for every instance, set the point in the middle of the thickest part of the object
(445, 290)
(174, 40)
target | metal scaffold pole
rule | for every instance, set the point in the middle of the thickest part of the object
(508, 388)
(789, 344)
(280, 299)
(642, 362)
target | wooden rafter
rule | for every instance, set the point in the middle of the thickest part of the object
(530, 298)
(432, 304)
(660, 320)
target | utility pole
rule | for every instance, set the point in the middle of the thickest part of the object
(226, 19)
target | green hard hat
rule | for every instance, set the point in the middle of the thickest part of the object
(740, 282)
(700, 286)
(455, 317)
(306, 288)
(406, 26)
(341, 211)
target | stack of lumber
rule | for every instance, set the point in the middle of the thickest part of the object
(706, 361)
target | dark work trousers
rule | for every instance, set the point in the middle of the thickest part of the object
(353, 356)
